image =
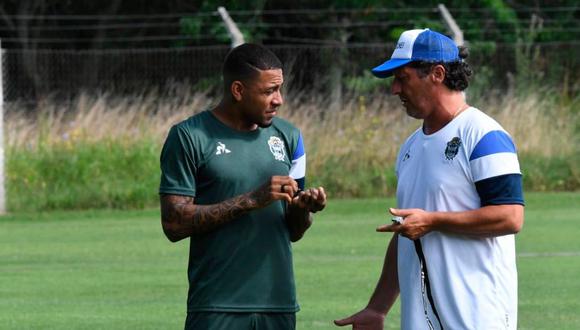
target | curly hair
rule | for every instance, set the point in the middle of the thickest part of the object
(457, 74)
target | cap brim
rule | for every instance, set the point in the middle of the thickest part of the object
(386, 69)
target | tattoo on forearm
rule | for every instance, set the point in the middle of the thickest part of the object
(187, 218)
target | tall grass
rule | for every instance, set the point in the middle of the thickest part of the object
(104, 151)
(352, 152)
(95, 152)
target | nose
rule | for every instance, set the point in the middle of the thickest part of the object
(277, 99)
(395, 87)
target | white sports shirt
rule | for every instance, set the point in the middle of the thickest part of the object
(473, 281)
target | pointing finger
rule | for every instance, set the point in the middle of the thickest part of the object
(387, 228)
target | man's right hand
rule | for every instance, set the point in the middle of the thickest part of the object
(366, 319)
(277, 188)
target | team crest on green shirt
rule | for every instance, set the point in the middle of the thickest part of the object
(452, 148)
(277, 148)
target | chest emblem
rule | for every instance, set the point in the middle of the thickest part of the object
(221, 149)
(407, 155)
(452, 148)
(277, 148)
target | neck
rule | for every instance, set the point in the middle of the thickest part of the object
(446, 108)
(230, 115)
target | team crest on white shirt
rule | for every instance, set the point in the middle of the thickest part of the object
(277, 148)
(407, 155)
(452, 148)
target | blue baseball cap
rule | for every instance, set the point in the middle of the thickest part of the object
(418, 45)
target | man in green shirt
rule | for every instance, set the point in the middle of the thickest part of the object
(233, 181)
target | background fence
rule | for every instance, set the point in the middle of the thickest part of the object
(31, 76)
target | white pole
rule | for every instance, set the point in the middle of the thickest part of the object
(235, 34)
(2, 184)
(451, 24)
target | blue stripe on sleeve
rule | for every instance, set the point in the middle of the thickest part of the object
(500, 190)
(493, 142)
(301, 183)
(299, 149)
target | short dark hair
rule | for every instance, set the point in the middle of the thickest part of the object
(457, 74)
(245, 61)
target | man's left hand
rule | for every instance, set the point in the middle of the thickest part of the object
(313, 199)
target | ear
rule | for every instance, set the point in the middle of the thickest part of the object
(237, 90)
(438, 73)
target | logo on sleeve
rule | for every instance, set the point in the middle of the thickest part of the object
(221, 149)
(452, 148)
(277, 148)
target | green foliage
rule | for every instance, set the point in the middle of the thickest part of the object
(111, 174)
(505, 17)
(347, 177)
(201, 27)
(395, 33)
(191, 25)
(497, 20)
(352, 177)
(106, 174)
(550, 174)
(479, 87)
(364, 84)
(350, 152)
(210, 84)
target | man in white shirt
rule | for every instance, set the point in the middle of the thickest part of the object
(460, 201)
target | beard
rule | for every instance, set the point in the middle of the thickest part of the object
(264, 125)
(263, 121)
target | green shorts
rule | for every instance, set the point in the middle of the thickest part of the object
(240, 321)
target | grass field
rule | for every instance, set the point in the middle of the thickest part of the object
(115, 270)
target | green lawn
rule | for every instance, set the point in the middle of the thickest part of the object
(115, 270)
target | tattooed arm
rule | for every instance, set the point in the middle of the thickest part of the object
(181, 217)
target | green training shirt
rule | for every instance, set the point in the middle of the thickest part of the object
(246, 264)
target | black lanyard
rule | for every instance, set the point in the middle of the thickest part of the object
(425, 285)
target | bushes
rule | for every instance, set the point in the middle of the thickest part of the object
(551, 174)
(104, 153)
(104, 174)
(111, 174)
(353, 177)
